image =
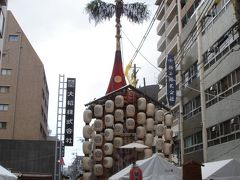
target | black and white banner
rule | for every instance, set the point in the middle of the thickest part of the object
(171, 80)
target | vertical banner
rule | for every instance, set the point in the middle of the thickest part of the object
(171, 80)
(69, 114)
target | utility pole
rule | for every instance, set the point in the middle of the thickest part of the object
(202, 86)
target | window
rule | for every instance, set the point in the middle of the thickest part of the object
(6, 72)
(4, 89)
(3, 107)
(3, 125)
(13, 38)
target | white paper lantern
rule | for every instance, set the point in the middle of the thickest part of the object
(168, 120)
(167, 150)
(98, 111)
(108, 134)
(142, 104)
(109, 120)
(150, 109)
(119, 115)
(130, 110)
(159, 116)
(98, 125)
(119, 101)
(168, 135)
(97, 154)
(159, 144)
(147, 153)
(109, 106)
(160, 129)
(149, 139)
(87, 147)
(87, 175)
(87, 163)
(141, 118)
(108, 162)
(117, 142)
(118, 129)
(98, 139)
(149, 124)
(130, 123)
(140, 131)
(87, 116)
(87, 132)
(108, 148)
(98, 169)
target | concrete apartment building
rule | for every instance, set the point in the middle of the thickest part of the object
(210, 63)
(23, 88)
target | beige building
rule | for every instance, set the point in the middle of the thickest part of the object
(23, 88)
(3, 13)
(207, 84)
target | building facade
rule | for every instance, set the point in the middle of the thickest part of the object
(209, 78)
(3, 14)
(23, 88)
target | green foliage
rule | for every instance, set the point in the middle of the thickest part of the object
(100, 11)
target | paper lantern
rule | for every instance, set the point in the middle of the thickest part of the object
(97, 154)
(119, 101)
(160, 129)
(168, 135)
(87, 163)
(108, 134)
(168, 120)
(87, 132)
(87, 175)
(142, 104)
(108, 162)
(87, 147)
(98, 139)
(98, 169)
(150, 110)
(109, 106)
(159, 116)
(167, 150)
(159, 144)
(149, 139)
(108, 148)
(147, 153)
(117, 142)
(140, 132)
(141, 118)
(118, 129)
(119, 115)
(149, 124)
(87, 116)
(109, 120)
(130, 110)
(98, 125)
(130, 123)
(98, 111)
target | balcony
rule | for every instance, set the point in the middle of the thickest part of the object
(3, 2)
(171, 11)
(161, 60)
(161, 28)
(158, 2)
(161, 45)
(172, 46)
(172, 28)
(161, 13)
(161, 77)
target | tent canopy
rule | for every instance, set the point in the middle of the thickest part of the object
(153, 168)
(6, 175)
(225, 169)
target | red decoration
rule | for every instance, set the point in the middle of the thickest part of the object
(135, 173)
(117, 79)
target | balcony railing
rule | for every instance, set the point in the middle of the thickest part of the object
(161, 28)
(172, 44)
(162, 59)
(170, 10)
(161, 45)
(172, 28)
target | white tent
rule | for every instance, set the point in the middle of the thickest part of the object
(153, 168)
(218, 170)
(6, 175)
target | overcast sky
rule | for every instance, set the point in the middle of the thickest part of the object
(67, 43)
